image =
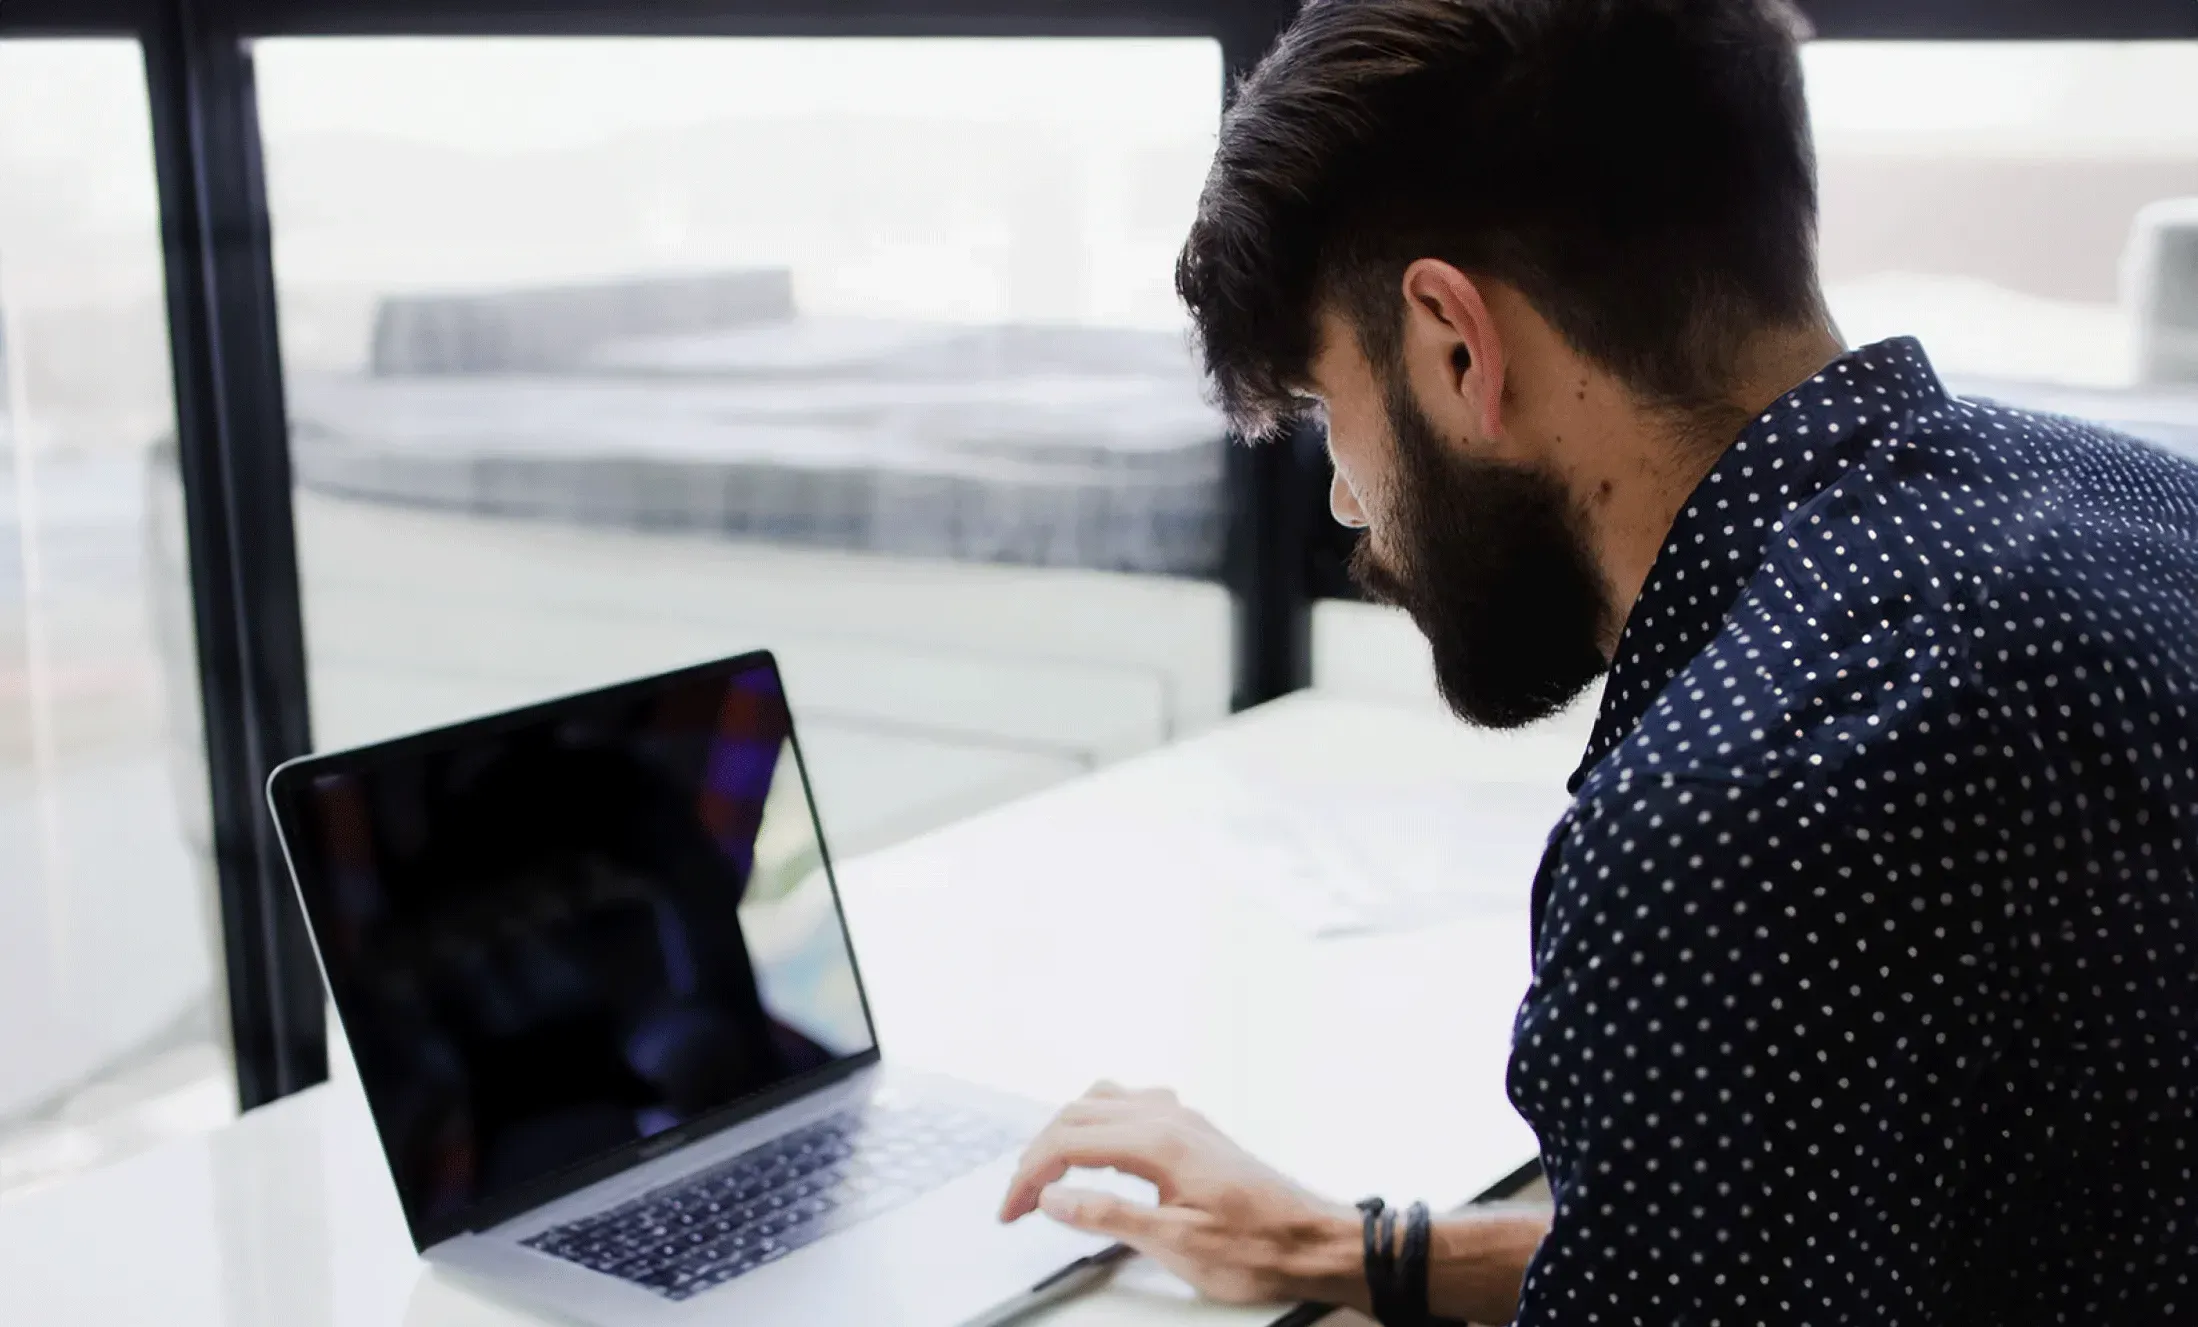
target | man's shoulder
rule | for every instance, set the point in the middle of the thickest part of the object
(1982, 498)
(2001, 553)
(1979, 569)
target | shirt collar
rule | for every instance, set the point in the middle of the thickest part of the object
(1794, 450)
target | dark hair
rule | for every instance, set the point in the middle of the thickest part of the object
(1641, 170)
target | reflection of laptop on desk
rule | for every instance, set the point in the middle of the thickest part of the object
(591, 963)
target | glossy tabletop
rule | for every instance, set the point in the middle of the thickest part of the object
(1128, 925)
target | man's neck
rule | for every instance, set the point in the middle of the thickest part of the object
(1630, 516)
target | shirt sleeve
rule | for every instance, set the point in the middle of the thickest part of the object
(1743, 1052)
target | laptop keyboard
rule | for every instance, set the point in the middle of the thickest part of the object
(755, 1208)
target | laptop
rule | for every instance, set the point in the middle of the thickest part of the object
(591, 963)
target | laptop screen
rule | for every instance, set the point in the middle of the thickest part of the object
(555, 935)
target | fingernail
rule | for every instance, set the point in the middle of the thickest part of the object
(1059, 1206)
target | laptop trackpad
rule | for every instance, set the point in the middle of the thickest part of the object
(941, 1260)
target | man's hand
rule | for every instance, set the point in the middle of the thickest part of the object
(1235, 1229)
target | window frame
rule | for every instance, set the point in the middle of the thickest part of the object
(231, 420)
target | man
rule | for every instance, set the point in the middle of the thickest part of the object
(1865, 986)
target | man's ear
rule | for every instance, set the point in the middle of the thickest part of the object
(1450, 341)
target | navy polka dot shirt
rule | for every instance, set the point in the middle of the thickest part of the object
(1866, 959)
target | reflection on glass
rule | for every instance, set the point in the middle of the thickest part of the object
(604, 355)
(551, 940)
(111, 1031)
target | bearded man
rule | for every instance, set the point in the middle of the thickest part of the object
(1864, 985)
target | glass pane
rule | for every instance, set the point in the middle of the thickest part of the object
(111, 1030)
(608, 355)
(2029, 209)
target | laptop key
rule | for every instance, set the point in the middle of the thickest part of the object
(753, 1209)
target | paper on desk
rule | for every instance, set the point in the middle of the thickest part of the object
(1355, 859)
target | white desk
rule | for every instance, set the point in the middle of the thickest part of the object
(1109, 927)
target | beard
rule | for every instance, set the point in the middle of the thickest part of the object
(1491, 562)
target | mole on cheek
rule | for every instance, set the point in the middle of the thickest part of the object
(1602, 491)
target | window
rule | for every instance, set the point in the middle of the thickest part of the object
(2013, 204)
(108, 934)
(604, 356)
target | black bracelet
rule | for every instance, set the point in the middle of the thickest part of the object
(1396, 1273)
(1386, 1303)
(1378, 1261)
(1411, 1269)
(1381, 1262)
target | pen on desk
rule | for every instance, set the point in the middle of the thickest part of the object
(1073, 1279)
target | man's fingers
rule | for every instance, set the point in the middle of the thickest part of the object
(1143, 1149)
(1090, 1109)
(1111, 1101)
(1144, 1228)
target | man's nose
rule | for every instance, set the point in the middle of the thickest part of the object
(1343, 504)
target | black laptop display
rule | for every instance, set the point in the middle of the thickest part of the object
(566, 935)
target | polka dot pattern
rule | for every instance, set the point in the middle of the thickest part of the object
(1865, 984)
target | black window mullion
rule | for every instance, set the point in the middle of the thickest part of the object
(234, 456)
(1870, 20)
(1270, 550)
(73, 18)
(2003, 20)
(773, 18)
